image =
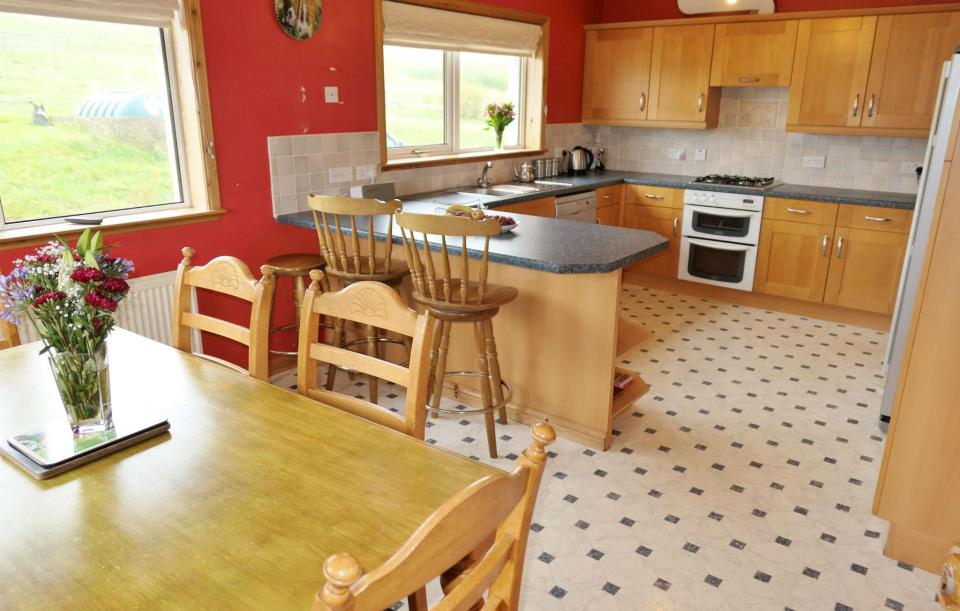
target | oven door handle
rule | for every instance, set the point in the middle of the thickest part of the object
(720, 245)
(726, 213)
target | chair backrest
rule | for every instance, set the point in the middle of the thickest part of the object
(376, 305)
(228, 276)
(349, 256)
(497, 507)
(9, 335)
(443, 282)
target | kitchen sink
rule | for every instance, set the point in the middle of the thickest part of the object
(491, 191)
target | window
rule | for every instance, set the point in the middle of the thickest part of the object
(101, 114)
(86, 125)
(435, 101)
(442, 62)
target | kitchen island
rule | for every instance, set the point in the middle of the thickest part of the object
(558, 342)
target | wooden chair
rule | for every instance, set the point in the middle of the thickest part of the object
(9, 335)
(375, 305)
(455, 298)
(497, 507)
(350, 258)
(229, 276)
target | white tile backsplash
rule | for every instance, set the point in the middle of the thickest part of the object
(751, 139)
(301, 164)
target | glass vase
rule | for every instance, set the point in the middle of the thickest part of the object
(84, 384)
(499, 142)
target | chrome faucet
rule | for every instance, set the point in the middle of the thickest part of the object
(484, 182)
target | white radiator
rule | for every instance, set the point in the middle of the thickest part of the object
(147, 310)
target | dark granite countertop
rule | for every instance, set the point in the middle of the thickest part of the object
(549, 245)
(595, 180)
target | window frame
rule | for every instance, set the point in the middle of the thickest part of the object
(532, 109)
(451, 115)
(195, 147)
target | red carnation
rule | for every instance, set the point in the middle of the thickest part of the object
(101, 302)
(87, 274)
(48, 296)
(115, 285)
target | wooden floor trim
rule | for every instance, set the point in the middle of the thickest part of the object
(819, 311)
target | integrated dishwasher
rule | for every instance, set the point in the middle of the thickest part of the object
(578, 207)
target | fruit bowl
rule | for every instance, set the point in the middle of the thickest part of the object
(507, 224)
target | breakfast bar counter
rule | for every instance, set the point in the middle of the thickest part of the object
(558, 342)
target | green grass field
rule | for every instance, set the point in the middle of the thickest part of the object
(66, 168)
(414, 101)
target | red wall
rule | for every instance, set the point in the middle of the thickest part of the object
(633, 10)
(255, 78)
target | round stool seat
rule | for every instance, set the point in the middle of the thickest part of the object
(494, 297)
(296, 264)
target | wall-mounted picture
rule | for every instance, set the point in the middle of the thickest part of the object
(299, 18)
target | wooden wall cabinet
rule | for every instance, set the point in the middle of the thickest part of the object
(616, 75)
(753, 54)
(653, 77)
(850, 256)
(908, 56)
(659, 210)
(870, 75)
(830, 72)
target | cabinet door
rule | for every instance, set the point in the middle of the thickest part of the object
(609, 215)
(865, 269)
(793, 259)
(905, 70)
(616, 74)
(680, 74)
(545, 207)
(830, 71)
(666, 222)
(753, 54)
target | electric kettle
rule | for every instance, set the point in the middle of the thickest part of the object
(581, 160)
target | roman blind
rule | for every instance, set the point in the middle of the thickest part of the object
(138, 12)
(410, 25)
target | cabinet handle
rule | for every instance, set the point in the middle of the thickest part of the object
(870, 105)
(749, 79)
(839, 248)
(877, 219)
(607, 196)
(652, 196)
(643, 101)
(823, 245)
(675, 221)
(797, 211)
(856, 105)
(700, 103)
(598, 221)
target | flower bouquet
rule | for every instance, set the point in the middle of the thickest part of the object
(499, 116)
(70, 295)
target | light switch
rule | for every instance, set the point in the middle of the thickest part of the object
(331, 95)
(700, 155)
(676, 154)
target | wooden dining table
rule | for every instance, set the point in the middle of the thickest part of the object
(236, 507)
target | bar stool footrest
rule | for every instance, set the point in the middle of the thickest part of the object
(474, 410)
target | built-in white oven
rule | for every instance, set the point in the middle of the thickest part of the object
(720, 236)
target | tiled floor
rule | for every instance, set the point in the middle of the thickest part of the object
(742, 480)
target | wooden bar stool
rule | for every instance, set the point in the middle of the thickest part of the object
(453, 299)
(297, 266)
(350, 259)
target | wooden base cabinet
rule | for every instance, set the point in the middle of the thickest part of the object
(659, 210)
(848, 255)
(545, 207)
(793, 259)
(610, 205)
(865, 269)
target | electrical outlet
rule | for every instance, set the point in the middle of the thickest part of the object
(908, 167)
(366, 171)
(700, 155)
(814, 161)
(338, 175)
(331, 95)
(676, 154)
